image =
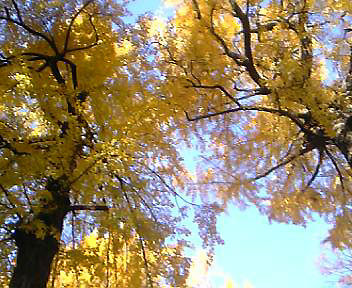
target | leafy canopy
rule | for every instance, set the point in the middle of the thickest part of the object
(266, 86)
(85, 137)
(94, 111)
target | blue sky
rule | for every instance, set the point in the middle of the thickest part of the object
(255, 251)
(267, 255)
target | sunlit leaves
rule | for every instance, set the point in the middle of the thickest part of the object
(117, 260)
(256, 80)
(80, 110)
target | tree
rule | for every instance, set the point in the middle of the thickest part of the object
(116, 261)
(336, 264)
(267, 87)
(85, 145)
(85, 142)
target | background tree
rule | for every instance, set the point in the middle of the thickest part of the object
(85, 142)
(117, 261)
(337, 266)
(266, 86)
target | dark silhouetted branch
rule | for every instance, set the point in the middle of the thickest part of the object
(278, 112)
(316, 171)
(19, 17)
(88, 208)
(288, 160)
(219, 87)
(69, 28)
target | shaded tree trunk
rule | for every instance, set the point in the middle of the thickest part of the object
(35, 255)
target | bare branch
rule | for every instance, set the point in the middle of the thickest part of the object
(85, 171)
(196, 8)
(4, 61)
(279, 112)
(31, 31)
(170, 188)
(7, 195)
(265, 27)
(73, 72)
(249, 64)
(5, 144)
(17, 11)
(146, 265)
(214, 87)
(336, 167)
(288, 160)
(315, 174)
(27, 198)
(238, 58)
(88, 208)
(146, 205)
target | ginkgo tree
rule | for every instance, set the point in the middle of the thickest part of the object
(93, 112)
(86, 142)
(266, 87)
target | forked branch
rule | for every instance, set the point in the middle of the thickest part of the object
(69, 28)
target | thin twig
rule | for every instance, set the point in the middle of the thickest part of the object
(27, 198)
(31, 31)
(196, 8)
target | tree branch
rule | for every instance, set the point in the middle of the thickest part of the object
(69, 28)
(279, 112)
(31, 31)
(336, 167)
(5, 144)
(288, 160)
(315, 174)
(249, 64)
(73, 72)
(196, 8)
(171, 188)
(215, 87)
(7, 195)
(88, 208)
(141, 241)
(17, 11)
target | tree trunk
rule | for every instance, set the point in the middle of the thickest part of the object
(34, 258)
(35, 255)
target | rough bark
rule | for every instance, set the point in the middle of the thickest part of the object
(35, 255)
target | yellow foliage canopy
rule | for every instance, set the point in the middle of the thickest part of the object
(267, 88)
(94, 113)
(86, 142)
